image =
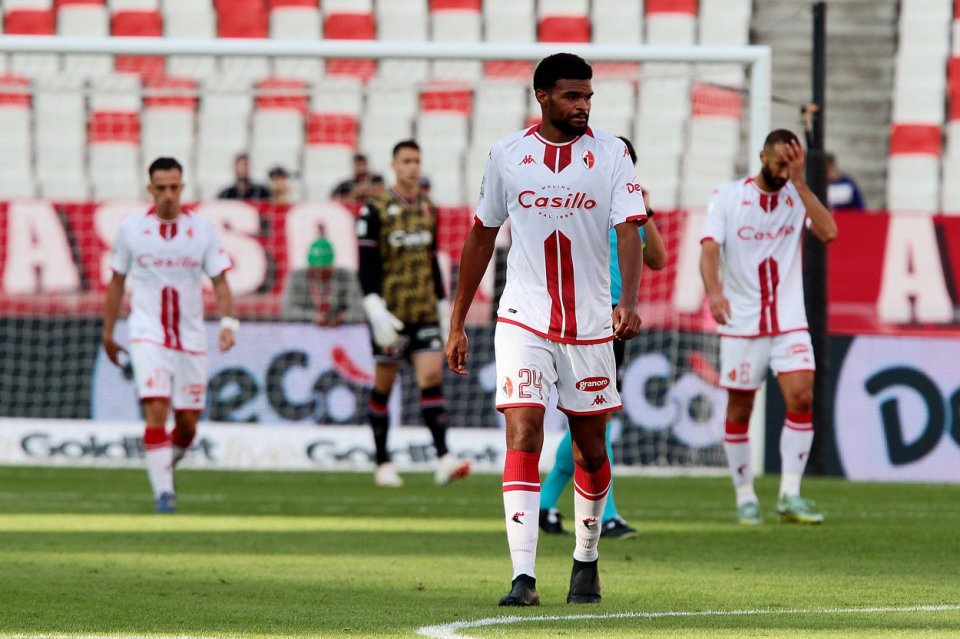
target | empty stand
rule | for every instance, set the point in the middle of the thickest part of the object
(296, 20)
(31, 17)
(87, 19)
(509, 21)
(277, 130)
(16, 161)
(113, 137)
(403, 21)
(168, 124)
(452, 21)
(349, 25)
(190, 19)
(141, 23)
(223, 130)
(617, 21)
(59, 116)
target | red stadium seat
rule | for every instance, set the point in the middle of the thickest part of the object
(293, 3)
(447, 98)
(463, 5)
(511, 69)
(30, 22)
(241, 19)
(671, 6)
(143, 24)
(564, 29)
(14, 90)
(332, 129)
(282, 93)
(61, 3)
(113, 126)
(711, 101)
(953, 86)
(351, 26)
(170, 91)
(915, 139)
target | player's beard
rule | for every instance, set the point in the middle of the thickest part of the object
(564, 126)
(774, 182)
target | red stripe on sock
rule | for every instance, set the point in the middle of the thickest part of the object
(736, 439)
(155, 437)
(736, 429)
(521, 471)
(800, 418)
(377, 409)
(592, 486)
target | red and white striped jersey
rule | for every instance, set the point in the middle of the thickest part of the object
(760, 237)
(561, 199)
(164, 263)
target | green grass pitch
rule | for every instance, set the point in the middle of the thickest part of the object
(328, 555)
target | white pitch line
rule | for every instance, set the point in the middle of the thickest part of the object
(451, 630)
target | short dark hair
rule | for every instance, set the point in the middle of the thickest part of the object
(241, 156)
(630, 149)
(780, 136)
(164, 164)
(405, 144)
(376, 178)
(560, 66)
(359, 157)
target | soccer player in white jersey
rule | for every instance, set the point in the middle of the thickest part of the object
(563, 186)
(165, 254)
(753, 234)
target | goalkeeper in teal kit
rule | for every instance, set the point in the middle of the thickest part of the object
(655, 257)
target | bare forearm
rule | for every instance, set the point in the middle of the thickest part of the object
(477, 252)
(630, 258)
(111, 306)
(224, 296)
(655, 252)
(822, 223)
(710, 268)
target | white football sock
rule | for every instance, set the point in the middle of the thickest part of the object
(589, 499)
(795, 441)
(159, 455)
(736, 443)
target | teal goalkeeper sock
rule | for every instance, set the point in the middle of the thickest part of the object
(559, 475)
(610, 510)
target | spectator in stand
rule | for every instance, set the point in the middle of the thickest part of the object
(843, 192)
(322, 293)
(377, 186)
(279, 185)
(242, 188)
(359, 185)
(424, 184)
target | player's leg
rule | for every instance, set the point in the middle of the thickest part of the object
(384, 375)
(525, 374)
(557, 479)
(587, 392)
(153, 374)
(189, 398)
(744, 364)
(792, 360)
(428, 371)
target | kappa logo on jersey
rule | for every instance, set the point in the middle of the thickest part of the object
(531, 199)
(528, 159)
(588, 160)
(599, 400)
(507, 387)
(593, 384)
(516, 518)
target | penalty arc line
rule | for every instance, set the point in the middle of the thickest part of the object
(451, 630)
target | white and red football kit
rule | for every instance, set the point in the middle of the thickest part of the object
(561, 200)
(760, 237)
(164, 263)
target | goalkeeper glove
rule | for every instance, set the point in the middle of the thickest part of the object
(383, 324)
(443, 318)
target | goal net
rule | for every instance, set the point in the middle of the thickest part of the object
(82, 119)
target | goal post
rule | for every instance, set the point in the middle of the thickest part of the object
(697, 116)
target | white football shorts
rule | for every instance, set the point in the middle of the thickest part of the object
(528, 365)
(744, 360)
(165, 373)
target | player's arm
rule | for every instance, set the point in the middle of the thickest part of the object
(383, 324)
(477, 252)
(710, 272)
(111, 310)
(228, 324)
(443, 305)
(822, 224)
(626, 320)
(655, 251)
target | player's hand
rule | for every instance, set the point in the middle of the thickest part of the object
(720, 308)
(795, 157)
(626, 322)
(226, 340)
(457, 351)
(113, 350)
(384, 325)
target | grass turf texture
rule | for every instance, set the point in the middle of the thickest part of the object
(330, 555)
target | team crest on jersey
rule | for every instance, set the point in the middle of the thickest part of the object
(588, 159)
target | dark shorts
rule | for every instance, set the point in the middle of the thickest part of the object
(414, 338)
(619, 352)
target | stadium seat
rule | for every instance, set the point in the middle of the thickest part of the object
(913, 169)
(660, 174)
(613, 106)
(277, 131)
(16, 161)
(349, 26)
(331, 143)
(89, 20)
(617, 21)
(403, 21)
(724, 22)
(555, 28)
(338, 94)
(223, 130)
(190, 19)
(242, 19)
(113, 136)
(671, 21)
(456, 22)
(143, 23)
(167, 124)
(512, 21)
(296, 20)
(31, 17)
(499, 107)
(60, 137)
(950, 198)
